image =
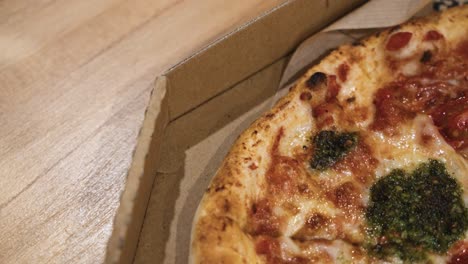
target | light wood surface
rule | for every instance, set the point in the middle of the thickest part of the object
(75, 76)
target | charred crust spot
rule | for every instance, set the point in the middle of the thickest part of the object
(254, 208)
(223, 227)
(256, 143)
(255, 132)
(305, 96)
(316, 79)
(357, 43)
(284, 105)
(351, 99)
(426, 57)
(226, 206)
(270, 115)
(220, 188)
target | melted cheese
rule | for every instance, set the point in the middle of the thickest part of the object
(306, 207)
(417, 141)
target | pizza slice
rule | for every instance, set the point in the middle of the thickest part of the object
(365, 160)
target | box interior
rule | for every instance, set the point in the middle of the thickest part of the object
(195, 112)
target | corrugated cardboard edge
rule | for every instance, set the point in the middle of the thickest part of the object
(128, 220)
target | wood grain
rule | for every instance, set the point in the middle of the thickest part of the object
(74, 81)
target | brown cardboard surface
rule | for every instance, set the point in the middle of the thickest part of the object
(202, 98)
(188, 163)
(140, 178)
(201, 162)
(248, 49)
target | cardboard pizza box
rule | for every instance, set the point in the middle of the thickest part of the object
(195, 112)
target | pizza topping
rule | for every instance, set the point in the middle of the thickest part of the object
(262, 219)
(360, 162)
(403, 99)
(253, 166)
(323, 114)
(462, 49)
(330, 147)
(343, 70)
(305, 96)
(346, 197)
(333, 88)
(317, 226)
(316, 79)
(283, 171)
(433, 35)
(411, 214)
(452, 120)
(398, 40)
(282, 174)
(460, 253)
(278, 250)
(270, 247)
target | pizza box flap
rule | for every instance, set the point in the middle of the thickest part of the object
(247, 61)
(247, 49)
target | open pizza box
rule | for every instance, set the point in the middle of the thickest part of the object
(196, 111)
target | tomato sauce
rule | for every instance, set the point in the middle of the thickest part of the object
(440, 91)
(360, 162)
(283, 171)
(262, 219)
(452, 120)
(433, 35)
(398, 40)
(343, 70)
(459, 253)
(333, 87)
(346, 196)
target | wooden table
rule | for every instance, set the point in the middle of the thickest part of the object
(75, 76)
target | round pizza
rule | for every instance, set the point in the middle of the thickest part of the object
(365, 160)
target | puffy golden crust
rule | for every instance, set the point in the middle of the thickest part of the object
(222, 241)
(219, 233)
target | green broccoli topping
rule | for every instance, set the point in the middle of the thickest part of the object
(330, 147)
(412, 214)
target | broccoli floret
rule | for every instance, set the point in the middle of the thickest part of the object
(330, 147)
(411, 214)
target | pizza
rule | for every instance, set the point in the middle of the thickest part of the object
(365, 160)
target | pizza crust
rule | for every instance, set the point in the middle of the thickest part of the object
(220, 231)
